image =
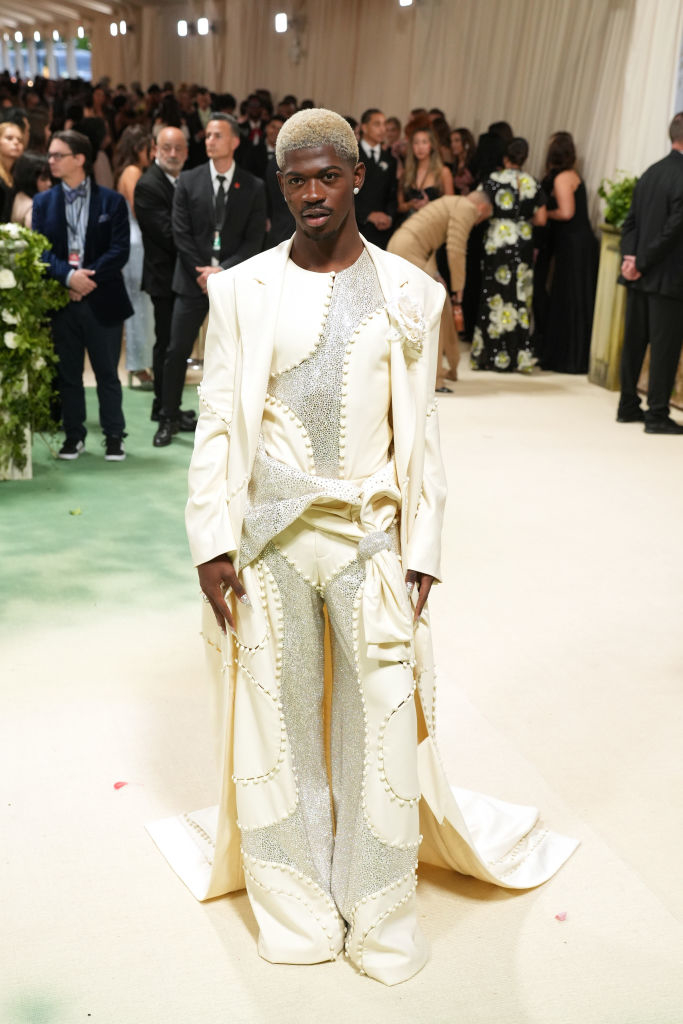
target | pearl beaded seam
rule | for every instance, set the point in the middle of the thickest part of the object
(402, 800)
(316, 344)
(366, 815)
(214, 412)
(345, 382)
(196, 827)
(245, 780)
(288, 869)
(286, 410)
(283, 892)
(396, 884)
(307, 579)
(529, 842)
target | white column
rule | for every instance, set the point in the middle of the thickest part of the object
(50, 57)
(19, 59)
(4, 54)
(71, 58)
(31, 58)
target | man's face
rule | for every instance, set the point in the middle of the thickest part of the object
(272, 132)
(254, 109)
(220, 141)
(375, 130)
(63, 163)
(318, 187)
(171, 150)
(392, 133)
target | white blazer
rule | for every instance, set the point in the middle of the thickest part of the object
(243, 313)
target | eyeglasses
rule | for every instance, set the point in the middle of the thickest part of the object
(58, 156)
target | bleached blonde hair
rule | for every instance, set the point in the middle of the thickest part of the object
(308, 129)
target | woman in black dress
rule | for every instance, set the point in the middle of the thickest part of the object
(424, 177)
(567, 269)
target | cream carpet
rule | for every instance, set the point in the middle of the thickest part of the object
(559, 639)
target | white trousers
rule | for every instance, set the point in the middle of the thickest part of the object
(325, 871)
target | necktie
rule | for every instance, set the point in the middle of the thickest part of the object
(220, 202)
(72, 194)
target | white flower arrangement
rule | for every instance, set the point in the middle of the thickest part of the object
(7, 278)
(407, 325)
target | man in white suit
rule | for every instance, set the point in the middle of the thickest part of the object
(316, 503)
(317, 478)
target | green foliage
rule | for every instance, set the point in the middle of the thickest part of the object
(617, 195)
(27, 358)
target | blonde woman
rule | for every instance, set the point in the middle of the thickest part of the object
(425, 177)
(132, 158)
(11, 148)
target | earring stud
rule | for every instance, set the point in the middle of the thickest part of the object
(356, 190)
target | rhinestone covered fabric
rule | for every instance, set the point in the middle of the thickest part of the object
(313, 388)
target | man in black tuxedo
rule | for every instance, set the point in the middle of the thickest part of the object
(219, 220)
(153, 205)
(88, 229)
(376, 203)
(280, 221)
(252, 150)
(652, 250)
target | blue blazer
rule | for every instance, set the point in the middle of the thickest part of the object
(107, 246)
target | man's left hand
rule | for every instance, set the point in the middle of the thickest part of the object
(203, 274)
(424, 585)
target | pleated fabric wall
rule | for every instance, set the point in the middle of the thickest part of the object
(602, 69)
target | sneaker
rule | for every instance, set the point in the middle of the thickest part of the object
(114, 449)
(71, 449)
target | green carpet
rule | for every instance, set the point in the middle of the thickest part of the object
(91, 533)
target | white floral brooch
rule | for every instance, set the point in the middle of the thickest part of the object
(407, 325)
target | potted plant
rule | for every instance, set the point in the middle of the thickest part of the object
(27, 357)
(617, 195)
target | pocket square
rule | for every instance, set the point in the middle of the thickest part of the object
(103, 218)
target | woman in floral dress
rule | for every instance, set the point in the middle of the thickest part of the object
(501, 338)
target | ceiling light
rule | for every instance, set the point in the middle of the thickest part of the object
(36, 36)
(280, 22)
(55, 35)
(18, 36)
(202, 26)
(81, 32)
(405, 3)
(123, 28)
(182, 28)
(114, 28)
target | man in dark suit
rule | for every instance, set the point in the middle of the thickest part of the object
(376, 203)
(251, 153)
(219, 220)
(89, 231)
(280, 221)
(652, 250)
(153, 205)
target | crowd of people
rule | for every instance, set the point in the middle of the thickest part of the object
(518, 256)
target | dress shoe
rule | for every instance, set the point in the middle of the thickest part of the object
(164, 434)
(667, 426)
(633, 416)
(187, 421)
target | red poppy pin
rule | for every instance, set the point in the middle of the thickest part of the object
(236, 184)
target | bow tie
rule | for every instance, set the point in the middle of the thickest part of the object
(72, 194)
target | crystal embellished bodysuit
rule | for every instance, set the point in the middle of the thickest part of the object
(307, 391)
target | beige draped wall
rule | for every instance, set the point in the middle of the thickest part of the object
(602, 69)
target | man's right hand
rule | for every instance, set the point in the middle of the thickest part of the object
(81, 281)
(216, 577)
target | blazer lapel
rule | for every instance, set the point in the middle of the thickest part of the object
(257, 299)
(93, 217)
(402, 399)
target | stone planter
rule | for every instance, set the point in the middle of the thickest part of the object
(608, 318)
